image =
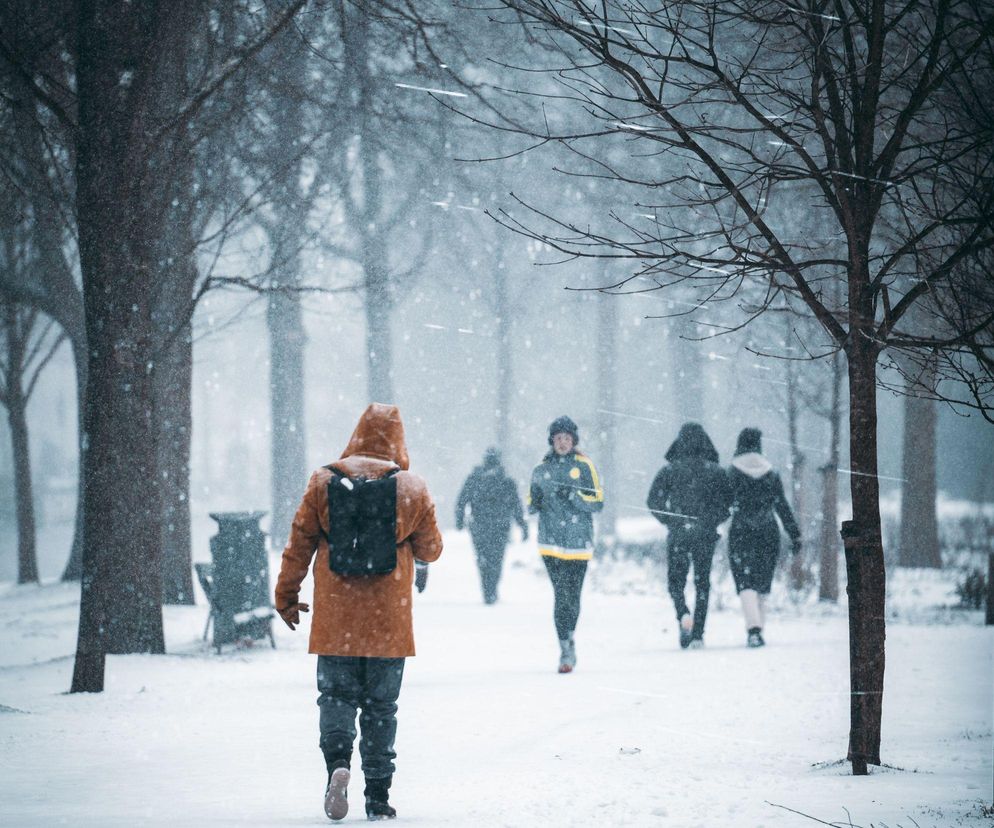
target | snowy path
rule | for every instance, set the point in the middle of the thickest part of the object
(490, 735)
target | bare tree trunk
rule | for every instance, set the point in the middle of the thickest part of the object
(287, 342)
(63, 300)
(379, 350)
(828, 577)
(505, 359)
(174, 417)
(121, 588)
(27, 558)
(285, 318)
(919, 524)
(607, 387)
(864, 562)
(74, 567)
(799, 574)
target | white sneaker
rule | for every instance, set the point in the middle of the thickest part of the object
(336, 802)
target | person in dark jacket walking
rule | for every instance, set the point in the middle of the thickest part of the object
(565, 492)
(690, 497)
(754, 537)
(493, 501)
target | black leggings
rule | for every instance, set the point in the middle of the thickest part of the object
(684, 548)
(567, 583)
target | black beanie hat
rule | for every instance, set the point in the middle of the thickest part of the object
(750, 440)
(564, 425)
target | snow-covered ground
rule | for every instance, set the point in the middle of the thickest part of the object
(641, 734)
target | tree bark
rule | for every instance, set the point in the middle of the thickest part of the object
(121, 588)
(607, 386)
(505, 356)
(379, 350)
(919, 524)
(58, 296)
(287, 343)
(799, 574)
(74, 567)
(828, 574)
(284, 318)
(866, 586)
(27, 558)
(174, 420)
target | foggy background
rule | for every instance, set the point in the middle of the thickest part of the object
(445, 386)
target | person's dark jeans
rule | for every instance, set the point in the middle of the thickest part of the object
(348, 684)
(567, 584)
(490, 560)
(684, 548)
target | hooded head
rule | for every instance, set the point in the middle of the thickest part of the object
(380, 433)
(491, 457)
(750, 442)
(564, 425)
(692, 441)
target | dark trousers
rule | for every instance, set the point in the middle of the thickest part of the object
(567, 584)
(490, 561)
(348, 684)
(683, 549)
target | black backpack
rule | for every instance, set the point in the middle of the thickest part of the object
(362, 524)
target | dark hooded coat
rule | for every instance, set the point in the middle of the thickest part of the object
(691, 492)
(492, 498)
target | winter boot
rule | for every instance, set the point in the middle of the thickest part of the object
(567, 655)
(755, 637)
(336, 801)
(696, 644)
(686, 630)
(377, 794)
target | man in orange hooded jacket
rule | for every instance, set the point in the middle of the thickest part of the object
(362, 627)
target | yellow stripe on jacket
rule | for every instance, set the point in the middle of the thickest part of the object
(598, 495)
(566, 554)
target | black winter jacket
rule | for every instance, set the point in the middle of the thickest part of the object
(493, 500)
(757, 493)
(692, 492)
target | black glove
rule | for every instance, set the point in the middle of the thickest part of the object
(420, 575)
(524, 532)
(795, 546)
(564, 492)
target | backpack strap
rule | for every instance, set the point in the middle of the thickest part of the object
(333, 468)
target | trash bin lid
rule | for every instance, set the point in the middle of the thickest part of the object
(236, 517)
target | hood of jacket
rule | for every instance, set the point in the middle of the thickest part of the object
(380, 434)
(692, 441)
(752, 464)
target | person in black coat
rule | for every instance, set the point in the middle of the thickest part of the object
(754, 537)
(493, 501)
(691, 497)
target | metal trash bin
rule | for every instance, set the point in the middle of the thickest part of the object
(237, 582)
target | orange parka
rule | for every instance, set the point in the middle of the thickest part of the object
(367, 615)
